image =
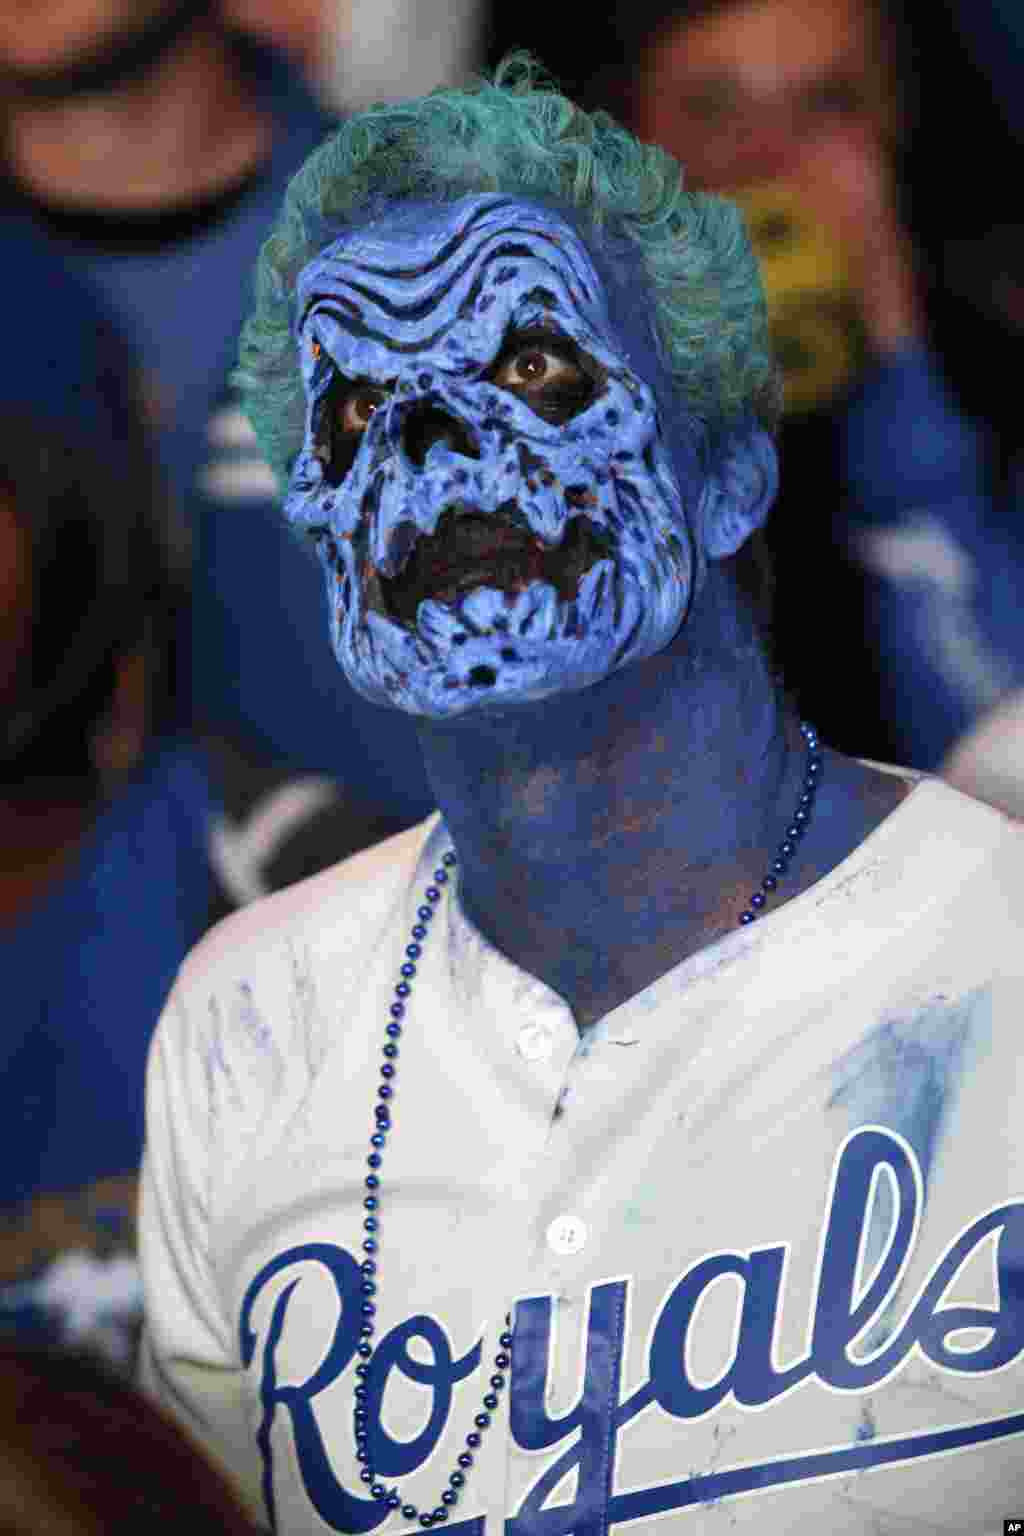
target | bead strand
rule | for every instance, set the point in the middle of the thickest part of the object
(779, 867)
(369, 1269)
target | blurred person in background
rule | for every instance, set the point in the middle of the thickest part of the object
(354, 52)
(104, 805)
(82, 1454)
(153, 141)
(830, 121)
(307, 31)
(806, 111)
(121, 834)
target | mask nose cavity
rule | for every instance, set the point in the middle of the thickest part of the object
(426, 424)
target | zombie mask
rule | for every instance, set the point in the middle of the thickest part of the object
(482, 469)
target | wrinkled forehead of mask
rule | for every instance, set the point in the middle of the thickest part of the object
(428, 277)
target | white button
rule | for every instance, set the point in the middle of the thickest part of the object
(567, 1234)
(535, 1042)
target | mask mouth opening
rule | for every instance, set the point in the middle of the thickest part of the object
(471, 549)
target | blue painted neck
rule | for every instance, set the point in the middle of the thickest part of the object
(603, 835)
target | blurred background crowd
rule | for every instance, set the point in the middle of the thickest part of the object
(176, 736)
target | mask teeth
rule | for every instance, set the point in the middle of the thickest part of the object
(382, 636)
(399, 546)
(436, 622)
(397, 506)
(595, 590)
(524, 614)
(548, 616)
(546, 518)
(537, 614)
(478, 610)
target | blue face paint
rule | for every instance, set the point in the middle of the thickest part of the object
(483, 471)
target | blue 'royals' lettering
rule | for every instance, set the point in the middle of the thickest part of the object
(842, 1315)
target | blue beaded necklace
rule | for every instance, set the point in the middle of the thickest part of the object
(390, 1497)
(779, 867)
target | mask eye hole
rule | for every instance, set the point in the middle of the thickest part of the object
(346, 412)
(548, 372)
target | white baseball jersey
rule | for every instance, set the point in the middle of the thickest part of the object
(762, 1230)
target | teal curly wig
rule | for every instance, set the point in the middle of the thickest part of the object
(516, 134)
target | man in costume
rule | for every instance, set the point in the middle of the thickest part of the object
(598, 1150)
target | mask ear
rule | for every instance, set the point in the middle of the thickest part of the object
(739, 491)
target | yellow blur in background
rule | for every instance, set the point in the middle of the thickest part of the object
(812, 310)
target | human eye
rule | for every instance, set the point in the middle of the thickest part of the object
(710, 101)
(836, 96)
(348, 410)
(354, 410)
(548, 372)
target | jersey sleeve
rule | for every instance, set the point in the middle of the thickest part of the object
(188, 1360)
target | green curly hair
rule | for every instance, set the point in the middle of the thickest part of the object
(516, 134)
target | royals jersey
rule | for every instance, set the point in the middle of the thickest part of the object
(760, 1231)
